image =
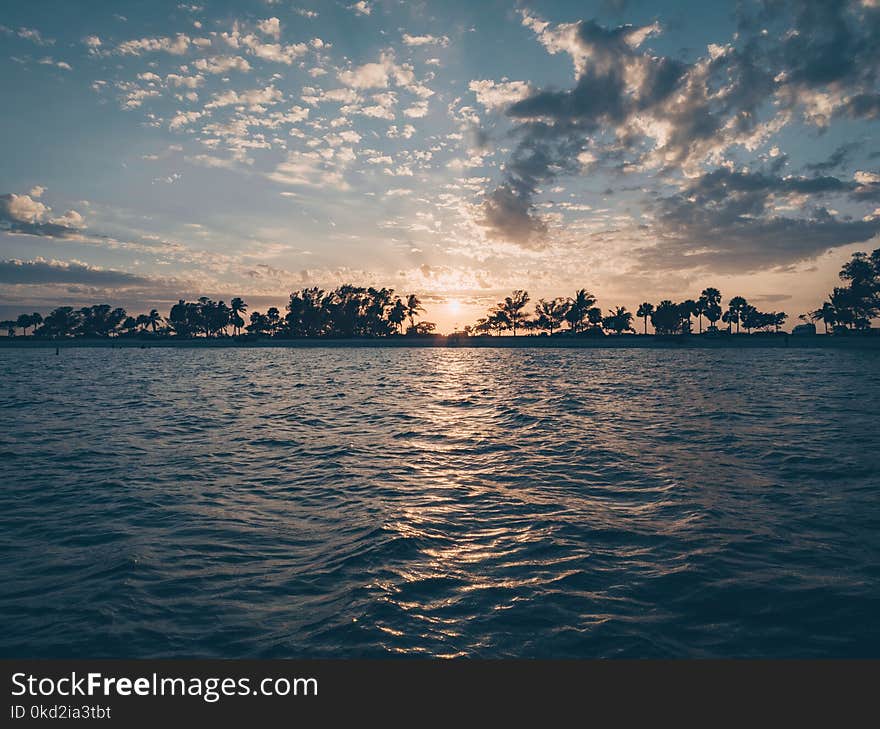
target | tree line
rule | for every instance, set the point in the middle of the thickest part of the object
(580, 315)
(353, 311)
(852, 305)
(346, 311)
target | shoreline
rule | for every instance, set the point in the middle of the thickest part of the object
(741, 341)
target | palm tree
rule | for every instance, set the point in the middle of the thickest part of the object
(735, 309)
(237, 307)
(711, 295)
(619, 320)
(578, 309)
(701, 306)
(827, 315)
(153, 320)
(667, 317)
(550, 314)
(688, 308)
(712, 310)
(513, 306)
(23, 322)
(413, 307)
(397, 314)
(273, 317)
(645, 310)
(750, 318)
(729, 317)
(779, 318)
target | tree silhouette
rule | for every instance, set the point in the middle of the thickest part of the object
(701, 305)
(826, 314)
(549, 315)
(513, 306)
(413, 308)
(578, 310)
(237, 307)
(619, 320)
(353, 311)
(397, 314)
(644, 312)
(687, 309)
(667, 318)
(712, 308)
(735, 309)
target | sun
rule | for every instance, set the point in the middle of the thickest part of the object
(454, 306)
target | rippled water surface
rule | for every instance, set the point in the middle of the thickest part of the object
(440, 502)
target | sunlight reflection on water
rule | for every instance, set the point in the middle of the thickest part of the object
(312, 502)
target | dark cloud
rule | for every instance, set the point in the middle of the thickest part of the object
(641, 110)
(57, 272)
(22, 214)
(727, 221)
(838, 158)
(828, 42)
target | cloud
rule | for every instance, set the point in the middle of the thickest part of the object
(25, 214)
(48, 61)
(501, 94)
(736, 222)
(275, 52)
(178, 45)
(425, 40)
(313, 169)
(34, 36)
(42, 271)
(361, 7)
(254, 99)
(508, 214)
(222, 64)
(270, 27)
(643, 111)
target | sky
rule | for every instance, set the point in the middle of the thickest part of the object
(160, 150)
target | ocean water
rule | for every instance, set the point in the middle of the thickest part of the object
(439, 502)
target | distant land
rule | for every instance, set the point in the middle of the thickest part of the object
(630, 341)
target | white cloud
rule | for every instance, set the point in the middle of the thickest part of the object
(379, 75)
(361, 7)
(274, 52)
(222, 64)
(189, 82)
(496, 95)
(417, 110)
(182, 118)
(23, 208)
(308, 169)
(70, 219)
(866, 178)
(33, 35)
(270, 27)
(177, 46)
(425, 40)
(405, 132)
(254, 99)
(368, 76)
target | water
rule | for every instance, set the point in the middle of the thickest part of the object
(375, 502)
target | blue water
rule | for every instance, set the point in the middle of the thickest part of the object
(437, 502)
